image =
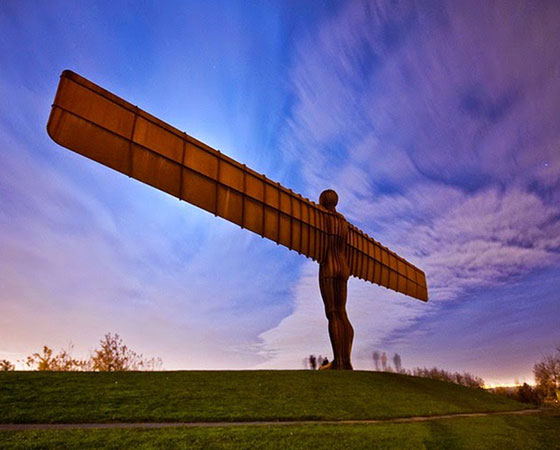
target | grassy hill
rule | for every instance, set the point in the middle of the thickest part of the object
(34, 397)
(50, 397)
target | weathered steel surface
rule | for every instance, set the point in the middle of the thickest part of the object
(334, 272)
(99, 125)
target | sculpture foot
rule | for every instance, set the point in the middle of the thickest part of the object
(334, 366)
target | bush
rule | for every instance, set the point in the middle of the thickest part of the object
(61, 362)
(465, 379)
(523, 393)
(6, 366)
(113, 355)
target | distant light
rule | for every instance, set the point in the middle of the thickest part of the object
(506, 385)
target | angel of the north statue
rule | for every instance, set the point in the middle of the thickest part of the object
(96, 123)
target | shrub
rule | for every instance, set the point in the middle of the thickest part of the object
(6, 366)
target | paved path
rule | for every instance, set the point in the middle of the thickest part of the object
(89, 426)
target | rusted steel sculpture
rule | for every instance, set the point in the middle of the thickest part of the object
(333, 279)
(96, 123)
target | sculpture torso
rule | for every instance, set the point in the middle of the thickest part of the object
(334, 264)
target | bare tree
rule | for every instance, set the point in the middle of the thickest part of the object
(6, 366)
(547, 376)
(41, 361)
(114, 355)
(63, 361)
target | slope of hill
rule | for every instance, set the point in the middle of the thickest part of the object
(64, 397)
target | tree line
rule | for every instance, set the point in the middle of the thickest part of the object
(112, 355)
(546, 373)
(380, 362)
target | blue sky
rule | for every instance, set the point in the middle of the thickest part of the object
(436, 122)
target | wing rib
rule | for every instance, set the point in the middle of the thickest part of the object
(387, 268)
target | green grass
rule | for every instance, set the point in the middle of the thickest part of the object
(42, 397)
(495, 432)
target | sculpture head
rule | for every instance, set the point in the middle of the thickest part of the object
(328, 199)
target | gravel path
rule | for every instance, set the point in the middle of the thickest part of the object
(124, 425)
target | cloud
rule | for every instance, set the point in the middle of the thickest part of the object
(85, 250)
(423, 119)
(456, 94)
(72, 267)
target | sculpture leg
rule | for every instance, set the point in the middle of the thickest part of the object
(334, 292)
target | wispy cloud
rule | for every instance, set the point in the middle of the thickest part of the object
(424, 119)
(85, 250)
(72, 269)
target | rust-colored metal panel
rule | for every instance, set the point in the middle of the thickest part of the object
(296, 236)
(201, 160)
(284, 226)
(296, 207)
(355, 261)
(99, 125)
(314, 243)
(272, 195)
(410, 281)
(253, 213)
(377, 273)
(392, 262)
(271, 220)
(388, 269)
(156, 171)
(401, 283)
(229, 204)
(285, 202)
(231, 176)
(393, 280)
(320, 238)
(304, 212)
(304, 239)
(158, 140)
(199, 190)
(357, 255)
(371, 261)
(255, 187)
(359, 259)
(377, 259)
(106, 148)
(81, 101)
(364, 257)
